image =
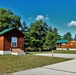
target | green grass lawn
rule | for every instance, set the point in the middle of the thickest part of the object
(39, 52)
(56, 51)
(65, 51)
(11, 63)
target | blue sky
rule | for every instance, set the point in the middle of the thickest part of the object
(57, 13)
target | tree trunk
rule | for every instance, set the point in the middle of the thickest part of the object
(39, 49)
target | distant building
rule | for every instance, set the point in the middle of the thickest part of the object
(11, 41)
(66, 45)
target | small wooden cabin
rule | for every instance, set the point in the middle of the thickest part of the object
(11, 41)
(66, 45)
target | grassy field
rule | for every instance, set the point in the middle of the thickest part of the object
(56, 51)
(65, 51)
(11, 63)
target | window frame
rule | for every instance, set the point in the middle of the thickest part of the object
(12, 41)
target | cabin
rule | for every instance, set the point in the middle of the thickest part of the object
(66, 45)
(11, 41)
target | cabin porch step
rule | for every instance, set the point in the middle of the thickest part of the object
(18, 52)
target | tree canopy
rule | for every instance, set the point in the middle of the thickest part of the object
(37, 31)
(75, 37)
(9, 19)
(67, 36)
(41, 35)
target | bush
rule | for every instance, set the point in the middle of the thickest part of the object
(46, 49)
(30, 49)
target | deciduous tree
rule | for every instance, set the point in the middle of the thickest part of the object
(9, 19)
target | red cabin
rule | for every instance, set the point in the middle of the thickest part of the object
(11, 41)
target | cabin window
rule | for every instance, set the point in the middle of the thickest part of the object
(71, 43)
(63, 44)
(14, 41)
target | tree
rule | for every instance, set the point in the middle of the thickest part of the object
(67, 36)
(37, 31)
(24, 27)
(26, 37)
(42, 36)
(51, 38)
(75, 37)
(50, 29)
(8, 19)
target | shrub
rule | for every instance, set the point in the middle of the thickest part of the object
(30, 49)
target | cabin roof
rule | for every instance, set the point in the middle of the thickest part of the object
(9, 29)
(6, 30)
(61, 41)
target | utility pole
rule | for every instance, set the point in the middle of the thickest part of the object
(52, 54)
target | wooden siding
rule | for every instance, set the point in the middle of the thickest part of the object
(20, 43)
(9, 35)
(1, 42)
(70, 44)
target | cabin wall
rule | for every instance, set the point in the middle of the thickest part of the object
(71, 45)
(1, 43)
(20, 42)
(9, 35)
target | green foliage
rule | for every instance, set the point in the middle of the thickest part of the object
(38, 35)
(27, 39)
(67, 36)
(8, 19)
(24, 27)
(42, 36)
(75, 37)
(51, 38)
(37, 31)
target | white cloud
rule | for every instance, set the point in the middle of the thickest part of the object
(30, 18)
(47, 18)
(41, 17)
(72, 23)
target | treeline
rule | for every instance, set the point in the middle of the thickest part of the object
(68, 36)
(38, 35)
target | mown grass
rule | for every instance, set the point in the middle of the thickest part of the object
(56, 51)
(65, 51)
(10, 63)
(42, 52)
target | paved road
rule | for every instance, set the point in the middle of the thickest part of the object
(59, 55)
(63, 68)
